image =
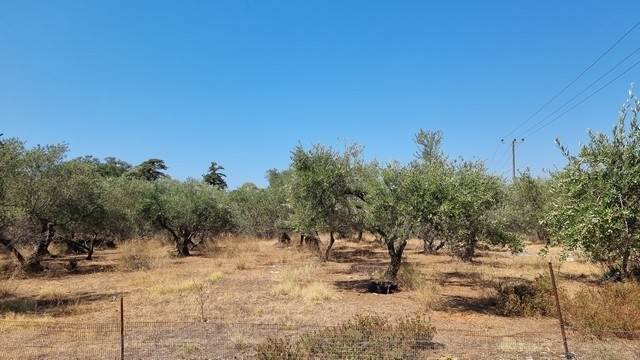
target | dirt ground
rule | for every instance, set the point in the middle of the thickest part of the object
(257, 282)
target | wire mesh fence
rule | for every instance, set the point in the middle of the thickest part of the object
(211, 340)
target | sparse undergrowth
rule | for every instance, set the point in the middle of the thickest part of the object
(611, 310)
(364, 337)
(138, 255)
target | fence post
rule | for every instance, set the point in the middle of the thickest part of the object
(122, 328)
(567, 354)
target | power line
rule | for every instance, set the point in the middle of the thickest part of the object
(586, 98)
(554, 97)
(533, 126)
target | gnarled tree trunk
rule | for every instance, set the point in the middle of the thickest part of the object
(395, 257)
(469, 249)
(331, 241)
(47, 234)
(285, 239)
(91, 247)
(32, 264)
(183, 242)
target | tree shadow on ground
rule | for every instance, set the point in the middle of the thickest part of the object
(347, 255)
(357, 285)
(581, 278)
(61, 266)
(459, 303)
(460, 278)
(51, 304)
(369, 268)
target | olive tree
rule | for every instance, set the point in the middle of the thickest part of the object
(595, 201)
(324, 190)
(526, 205)
(81, 212)
(186, 210)
(472, 211)
(38, 195)
(10, 152)
(437, 174)
(395, 197)
(278, 189)
(254, 210)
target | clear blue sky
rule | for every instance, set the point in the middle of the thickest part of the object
(243, 82)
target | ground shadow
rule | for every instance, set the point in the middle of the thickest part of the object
(581, 278)
(460, 278)
(460, 303)
(369, 268)
(346, 255)
(361, 285)
(52, 303)
(62, 266)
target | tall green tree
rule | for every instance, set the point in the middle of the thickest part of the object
(215, 177)
(150, 170)
(595, 201)
(324, 190)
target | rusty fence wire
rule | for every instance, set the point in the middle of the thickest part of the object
(212, 340)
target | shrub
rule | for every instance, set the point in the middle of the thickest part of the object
(365, 336)
(141, 255)
(611, 310)
(525, 298)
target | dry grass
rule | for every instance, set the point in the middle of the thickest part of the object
(300, 283)
(215, 276)
(611, 310)
(243, 280)
(139, 255)
(383, 339)
(8, 288)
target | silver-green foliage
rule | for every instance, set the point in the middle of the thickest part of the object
(473, 211)
(325, 189)
(186, 210)
(595, 202)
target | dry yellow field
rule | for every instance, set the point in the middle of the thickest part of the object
(250, 281)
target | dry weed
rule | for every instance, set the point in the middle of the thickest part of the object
(139, 255)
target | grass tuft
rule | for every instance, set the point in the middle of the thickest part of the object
(137, 255)
(299, 282)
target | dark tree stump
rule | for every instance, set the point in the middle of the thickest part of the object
(285, 239)
(382, 287)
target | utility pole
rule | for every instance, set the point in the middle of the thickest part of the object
(514, 142)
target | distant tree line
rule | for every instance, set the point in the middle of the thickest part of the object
(592, 205)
